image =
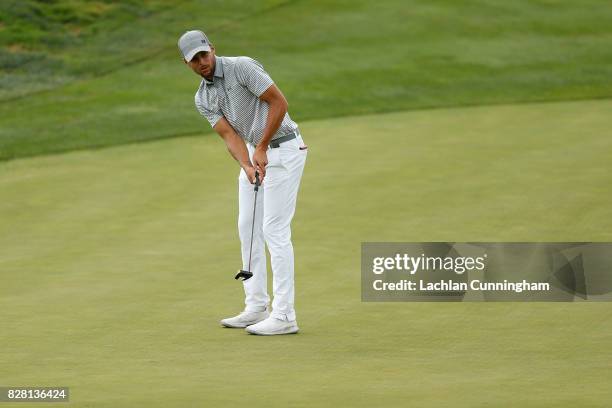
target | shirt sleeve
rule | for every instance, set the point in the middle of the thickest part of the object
(251, 74)
(211, 115)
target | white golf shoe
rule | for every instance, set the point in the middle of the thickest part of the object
(245, 319)
(272, 326)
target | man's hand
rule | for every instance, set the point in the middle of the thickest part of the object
(250, 172)
(260, 161)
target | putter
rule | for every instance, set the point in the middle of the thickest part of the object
(248, 274)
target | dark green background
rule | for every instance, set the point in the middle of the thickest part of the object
(79, 74)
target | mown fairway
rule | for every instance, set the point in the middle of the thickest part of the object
(118, 263)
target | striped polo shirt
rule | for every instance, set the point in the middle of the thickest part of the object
(234, 94)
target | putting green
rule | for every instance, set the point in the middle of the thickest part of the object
(118, 263)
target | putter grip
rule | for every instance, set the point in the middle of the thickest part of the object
(257, 182)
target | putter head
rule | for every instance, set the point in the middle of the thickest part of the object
(244, 275)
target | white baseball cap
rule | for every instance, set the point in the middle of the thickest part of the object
(193, 42)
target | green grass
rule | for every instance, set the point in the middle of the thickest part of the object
(125, 83)
(46, 44)
(117, 265)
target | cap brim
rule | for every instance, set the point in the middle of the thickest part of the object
(193, 52)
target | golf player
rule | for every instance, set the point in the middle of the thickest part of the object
(249, 112)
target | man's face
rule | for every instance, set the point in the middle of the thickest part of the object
(203, 63)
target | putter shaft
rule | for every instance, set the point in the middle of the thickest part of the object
(247, 274)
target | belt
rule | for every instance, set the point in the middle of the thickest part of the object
(276, 142)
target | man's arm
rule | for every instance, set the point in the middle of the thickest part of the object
(235, 145)
(277, 108)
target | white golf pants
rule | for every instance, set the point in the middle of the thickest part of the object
(276, 201)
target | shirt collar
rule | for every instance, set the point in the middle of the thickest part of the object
(218, 70)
